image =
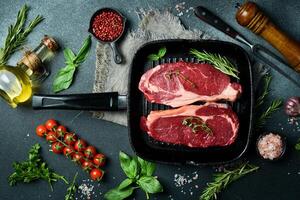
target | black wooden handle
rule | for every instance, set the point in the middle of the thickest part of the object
(210, 18)
(91, 101)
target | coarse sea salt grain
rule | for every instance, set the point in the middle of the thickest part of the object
(182, 180)
(181, 9)
(86, 190)
(295, 122)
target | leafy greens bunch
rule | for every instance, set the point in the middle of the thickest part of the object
(64, 77)
(139, 175)
(33, 169)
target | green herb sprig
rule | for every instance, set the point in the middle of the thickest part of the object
(170, 74)
(297, 145)
(139, 175)
(17, 34)
(223, 179)
(261, 99)
(195, 123)
(33, 169)
(219, 62)
(161, 53)
(274, 106)
(64, 77)
(72, 189)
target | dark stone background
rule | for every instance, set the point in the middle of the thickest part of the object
(68, 21)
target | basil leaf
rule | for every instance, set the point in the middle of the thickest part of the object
(116, 194)
(84, 50)
(69, 55)
(297, 146)
(161, 52)
(125, 183)
(63, 79)
(147, 168)
(150, 184)
(153, 57)
(129, 165)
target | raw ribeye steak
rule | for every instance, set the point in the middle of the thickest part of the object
(182, 83)
(211, 124)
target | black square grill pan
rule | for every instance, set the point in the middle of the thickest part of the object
(137, 106)
(151, 149)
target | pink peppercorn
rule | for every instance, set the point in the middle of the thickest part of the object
(107, 26)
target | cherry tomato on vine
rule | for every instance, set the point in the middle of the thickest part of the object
(57, 147)
(41, 130)
(51, 136)
(61, 130)
(99, 159)
(70, 138)
(90, 152)
(78, 157)
(51, 124)
(68, 151)
(80, 145)
(87, 165)
(96, 174)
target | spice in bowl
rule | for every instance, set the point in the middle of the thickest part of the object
(271, 146)
(107, 25)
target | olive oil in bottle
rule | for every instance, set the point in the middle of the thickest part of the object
(17, 83)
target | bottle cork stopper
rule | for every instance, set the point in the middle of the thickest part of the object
(50, 43)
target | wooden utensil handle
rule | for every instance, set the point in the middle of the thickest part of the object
(250, 16)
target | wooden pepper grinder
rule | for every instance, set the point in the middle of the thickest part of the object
(250, 16)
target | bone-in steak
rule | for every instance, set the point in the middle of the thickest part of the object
(202, 126)
(182, 83)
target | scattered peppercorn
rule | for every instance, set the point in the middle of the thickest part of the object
(107, 26)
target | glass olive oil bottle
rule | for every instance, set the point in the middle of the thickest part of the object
(17, 83)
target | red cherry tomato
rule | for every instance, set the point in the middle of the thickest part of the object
(57, 147)
(41, 130)
(51, 124)
(87, 165)
(70, 138)
(69, 151)
(96, 174)
(99, 159)
(61, 130)
(80, 145)
(51, 136)
(90, 152)
(78, 157)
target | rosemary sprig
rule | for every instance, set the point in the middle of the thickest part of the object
(195, 123)
(222, 180)
(219, 62)
(71, 189)
(261, 120)
(260, 100)
(17, 34)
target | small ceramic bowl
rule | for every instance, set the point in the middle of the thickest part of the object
(283, 139)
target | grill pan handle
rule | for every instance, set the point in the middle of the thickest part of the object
(109, 101)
